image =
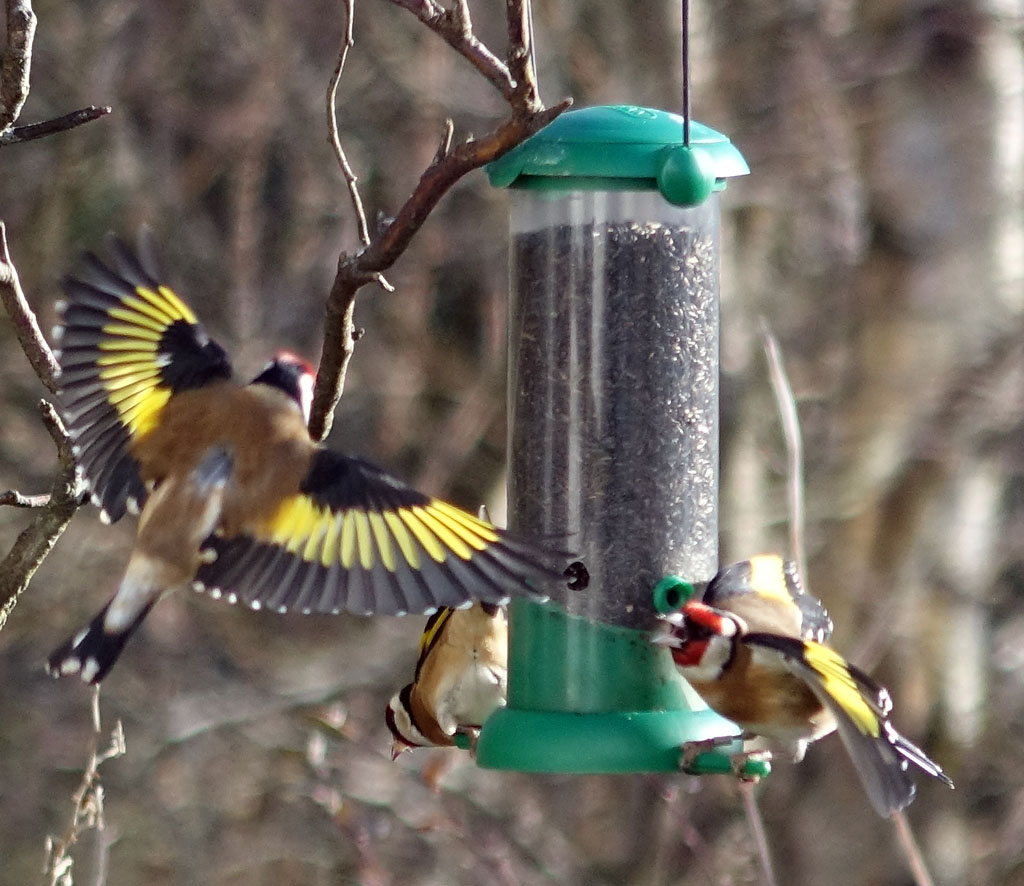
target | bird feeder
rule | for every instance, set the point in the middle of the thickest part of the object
(613, 432)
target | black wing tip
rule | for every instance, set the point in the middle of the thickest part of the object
(911, 753)
(92, 652)
(126, 266)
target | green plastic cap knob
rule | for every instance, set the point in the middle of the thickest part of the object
(686, 176)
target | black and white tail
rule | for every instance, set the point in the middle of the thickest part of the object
(92, 651)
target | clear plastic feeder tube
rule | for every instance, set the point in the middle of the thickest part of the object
(614, 382)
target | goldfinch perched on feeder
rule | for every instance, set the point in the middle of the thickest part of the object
(460, 679)
(754, 650)
(235, 498)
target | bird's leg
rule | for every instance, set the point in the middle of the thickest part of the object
(473, 734)
(691, 750)
(741, 761)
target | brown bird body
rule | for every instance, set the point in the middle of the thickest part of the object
(784, 706)
(235, 498)
(264, 430)
(754, 649)
(460, 679)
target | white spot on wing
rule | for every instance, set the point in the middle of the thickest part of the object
(90, 670)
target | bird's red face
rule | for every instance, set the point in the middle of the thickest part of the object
(694, 630)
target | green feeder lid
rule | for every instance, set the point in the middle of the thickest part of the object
(622, 147)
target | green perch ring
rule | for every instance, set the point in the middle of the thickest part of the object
(671, 594)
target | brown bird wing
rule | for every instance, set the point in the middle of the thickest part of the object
(127, 345)
(768, 594)
(352, 538)
(431, 635)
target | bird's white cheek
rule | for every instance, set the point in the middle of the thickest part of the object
(710, 663)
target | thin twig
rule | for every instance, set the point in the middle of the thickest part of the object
(32, 131)
(14, 499)
(24, 319)
(911, 851)
(790, 421)
(87, 800)
(14, 78)
(380, 253)
(757, 829)
(347, 42)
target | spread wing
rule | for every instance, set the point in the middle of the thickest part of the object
(355, 539)
(860, 706)
(127, 344)
(780, 605)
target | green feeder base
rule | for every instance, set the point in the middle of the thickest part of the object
(618, 742)
(588, 697)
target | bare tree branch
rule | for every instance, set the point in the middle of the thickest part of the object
(38, 539)
(14, 79)
(32, 131)
(355, 271)
(449, 165)
(525, 96)
(455, 28)
(14, 82)
(25, 324)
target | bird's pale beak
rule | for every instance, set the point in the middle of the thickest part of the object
(666, 639)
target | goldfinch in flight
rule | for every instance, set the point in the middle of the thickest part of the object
(234, 497)
(460, 679)
(754, 649)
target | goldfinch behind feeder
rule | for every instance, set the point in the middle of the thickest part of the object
(754, 650)
(235, 498)
(460, 679)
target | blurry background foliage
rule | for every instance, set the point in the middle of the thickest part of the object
(880, 233)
